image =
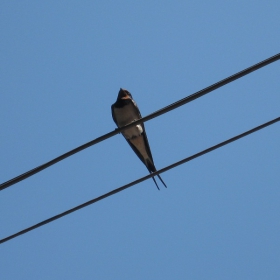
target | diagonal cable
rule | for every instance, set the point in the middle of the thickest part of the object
(140, 180)
(149, 117)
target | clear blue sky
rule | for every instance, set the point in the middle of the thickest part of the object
(61, 66)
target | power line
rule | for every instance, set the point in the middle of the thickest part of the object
(140, 180)
(149, 117)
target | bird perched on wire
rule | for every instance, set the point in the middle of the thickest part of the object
(125, 111)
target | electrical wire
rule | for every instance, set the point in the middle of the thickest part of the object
(140, 180)
(149, 117)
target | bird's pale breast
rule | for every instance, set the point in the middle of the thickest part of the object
(126, 115)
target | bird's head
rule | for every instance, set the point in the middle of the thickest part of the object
(124, 94)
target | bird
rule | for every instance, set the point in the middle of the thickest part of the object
(126, 111)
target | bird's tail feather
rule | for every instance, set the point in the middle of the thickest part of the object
(156, 183)
(151, 167)
(162, 180)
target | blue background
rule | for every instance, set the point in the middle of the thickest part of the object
(62, 64)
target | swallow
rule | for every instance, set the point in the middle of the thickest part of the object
(125, 111)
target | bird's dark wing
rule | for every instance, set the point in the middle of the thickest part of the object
(145, 138)
(148, 163)
(113, 114)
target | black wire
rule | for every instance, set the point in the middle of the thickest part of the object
(140, 180)
(149, 117)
